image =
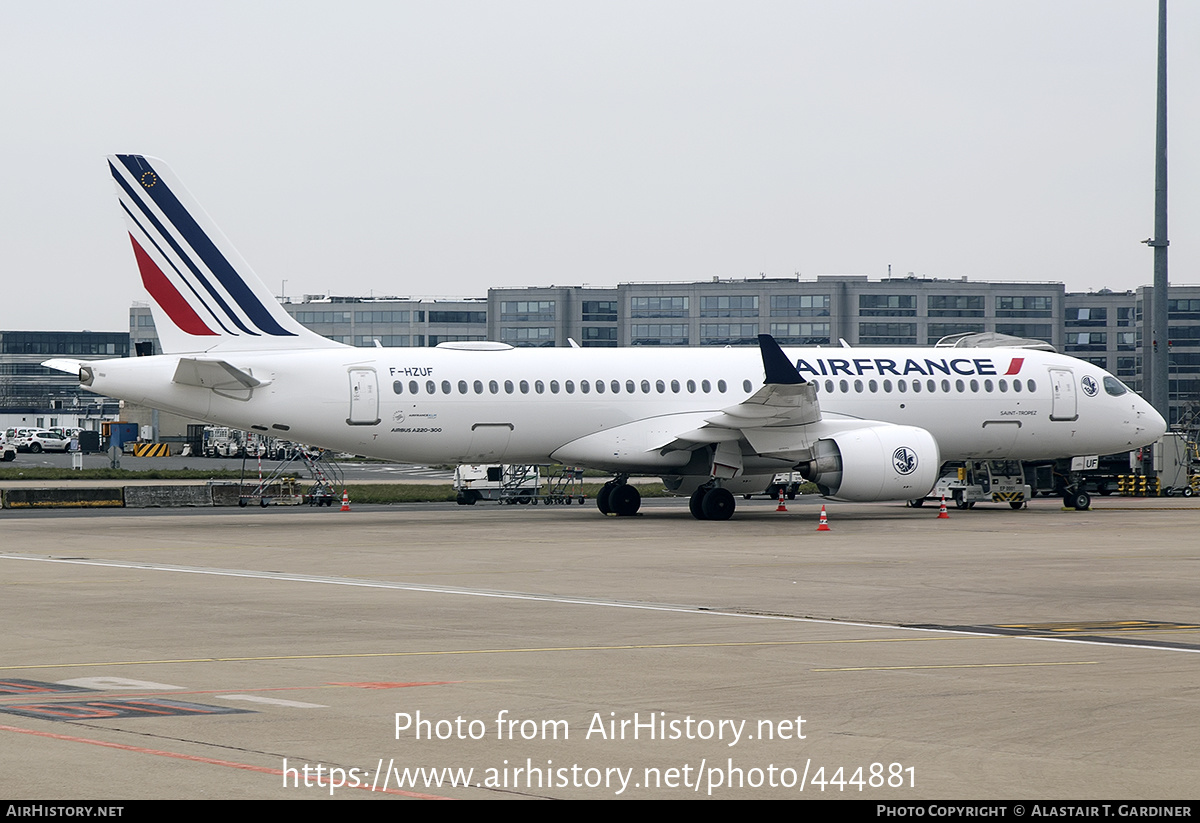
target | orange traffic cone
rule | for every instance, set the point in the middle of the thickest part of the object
(781, 507)
(345, 500)
(943, 514)
(823, 526)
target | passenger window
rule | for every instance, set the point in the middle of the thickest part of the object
(524, 387)
(493, 387)
(508, 387)
(747, 386)
(1016, 385)
(1033, 386)
(554, 387)
(569, 386)
(585, 386)
(1003, 385)
(675, 386)
(975, 385)
(721, 386)
(397, 387)
(916, 386)
(829, 386)
(413, 387)
(872, 386)
(931, 385)
(691, 386)
(987, 385)
(539, 386)
(844, 386)
(705, 386)
(478, 386)
(946, 386)
(630, 387)
(430, 387)
(599, 387)
(902, 386)
(887, 386)
(645, 387)
(615, 386)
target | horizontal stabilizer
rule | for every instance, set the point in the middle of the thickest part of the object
(214, 374)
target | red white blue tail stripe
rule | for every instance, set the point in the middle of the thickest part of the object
(205, 295)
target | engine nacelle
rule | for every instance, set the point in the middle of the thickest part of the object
(875, 463)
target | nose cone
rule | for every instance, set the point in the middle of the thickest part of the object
(1155, 426)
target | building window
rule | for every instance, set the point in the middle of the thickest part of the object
(519, 311)
(1024, 306)
(800, 305)
(600, 311)
(887, 305)
(659, 306)
(527, 335)
(955, 305)
(729, 334)
(887, 334)
(660, 334)
(729, 305)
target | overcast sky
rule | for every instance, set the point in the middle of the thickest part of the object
(439, 148)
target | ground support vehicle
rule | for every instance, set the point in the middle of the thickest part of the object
(982, 481)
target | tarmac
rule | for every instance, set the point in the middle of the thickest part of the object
(555, 653)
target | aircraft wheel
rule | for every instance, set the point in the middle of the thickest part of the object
(603, 498)
(625, 500)
(1081, 501)
(916, 504)
(718, 504)
(696, 503)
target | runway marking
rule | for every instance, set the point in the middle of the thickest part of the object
(438, 652)
(195, 759)
(957, 666)
(978, 631)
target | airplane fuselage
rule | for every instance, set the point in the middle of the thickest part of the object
(532, 405)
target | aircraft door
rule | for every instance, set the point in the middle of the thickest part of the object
(364, 398)
(1064, 403)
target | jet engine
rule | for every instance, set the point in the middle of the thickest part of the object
(879, 462)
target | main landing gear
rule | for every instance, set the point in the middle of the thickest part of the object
(619, 498)
(712, 503)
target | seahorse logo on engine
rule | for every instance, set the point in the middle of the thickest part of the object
(904, 460)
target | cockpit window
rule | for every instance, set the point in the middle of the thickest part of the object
(1114, 386)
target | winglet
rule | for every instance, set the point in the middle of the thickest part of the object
(779, 370)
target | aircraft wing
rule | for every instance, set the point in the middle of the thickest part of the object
(785, 401)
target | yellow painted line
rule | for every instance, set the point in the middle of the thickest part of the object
(955, 666)
(764, 643)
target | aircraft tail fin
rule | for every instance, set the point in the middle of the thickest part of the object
(206, 297)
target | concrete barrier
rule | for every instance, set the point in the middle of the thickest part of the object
(63, 498)
(146, 497)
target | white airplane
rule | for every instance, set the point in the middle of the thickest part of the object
(864, 424)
